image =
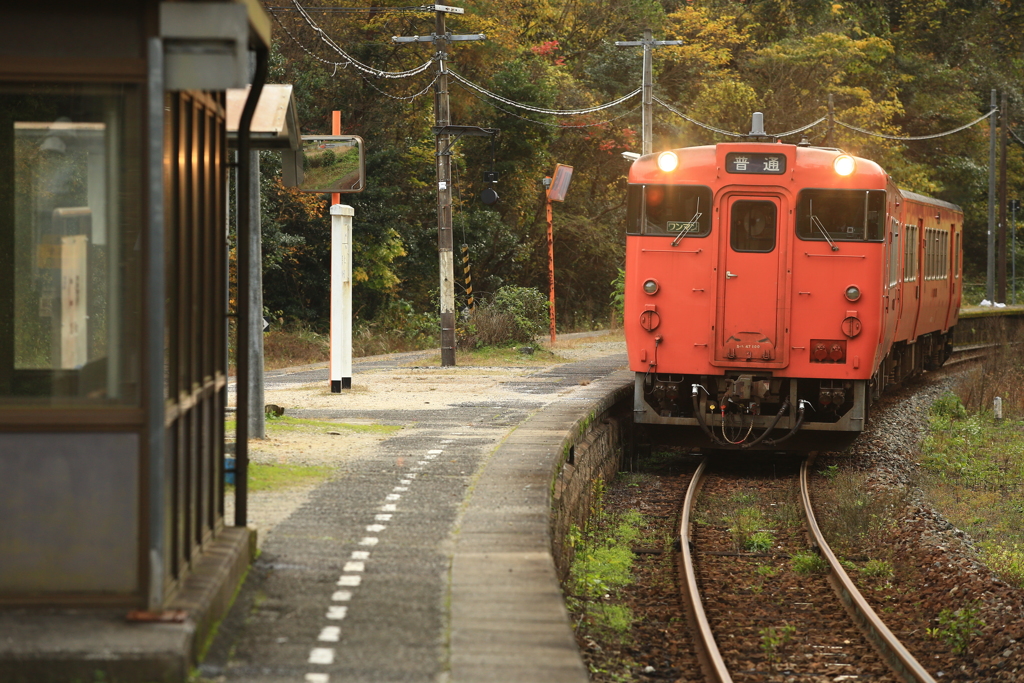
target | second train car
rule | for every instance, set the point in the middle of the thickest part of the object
(773, 291)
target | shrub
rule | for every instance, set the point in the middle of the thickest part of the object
(516, 315)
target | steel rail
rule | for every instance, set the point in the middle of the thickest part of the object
(892, 650)
(707, 649)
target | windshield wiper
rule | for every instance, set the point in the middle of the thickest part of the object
(821, 228)
(686, 229)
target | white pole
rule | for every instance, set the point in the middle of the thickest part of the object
(341, 297)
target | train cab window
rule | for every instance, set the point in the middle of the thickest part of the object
(841, 215)
(669, 210)
(753, 226)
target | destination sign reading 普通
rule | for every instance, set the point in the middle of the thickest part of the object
(749, 162)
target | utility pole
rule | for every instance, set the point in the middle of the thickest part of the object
(1004, 122)
(647, 137)
(990, 271)
(442, 150)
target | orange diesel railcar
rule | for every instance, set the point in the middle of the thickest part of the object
(773, 291)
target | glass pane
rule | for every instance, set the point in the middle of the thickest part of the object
(670, 209)
(845, 215)
(753, 226)
(70, 243)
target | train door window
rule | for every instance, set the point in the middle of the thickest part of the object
(753, 226)
(669, 210)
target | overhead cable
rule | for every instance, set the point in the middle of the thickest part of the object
(545, 123)
(918, 137)
(355, 10)
(349, 59)
(541, 110)
(695, 121)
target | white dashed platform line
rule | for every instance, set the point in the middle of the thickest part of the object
(357, 565)
(329, 634)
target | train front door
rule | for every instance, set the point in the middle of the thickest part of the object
(749, 276)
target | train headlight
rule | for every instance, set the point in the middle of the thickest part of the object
(844, 164)
(650, 286)
(668, 161)
(853, 292)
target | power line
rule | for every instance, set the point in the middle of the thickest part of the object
(355, 10)
(545, 123)
(917, 137)
(541, 110)
(349, 59)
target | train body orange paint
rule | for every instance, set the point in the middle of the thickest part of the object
(770, 299)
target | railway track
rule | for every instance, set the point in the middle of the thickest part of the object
(753, 619)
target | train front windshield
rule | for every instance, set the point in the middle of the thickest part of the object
(678, 210)
(840, 215)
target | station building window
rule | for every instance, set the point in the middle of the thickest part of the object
(71, 225)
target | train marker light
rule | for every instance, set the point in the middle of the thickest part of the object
(668, 161)
(853, 292)
(844, 164)
(651, 286)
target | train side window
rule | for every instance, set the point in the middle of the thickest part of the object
(668, 210)
(753, 226)
(841, 215)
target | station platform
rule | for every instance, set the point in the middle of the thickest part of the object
(425, 554)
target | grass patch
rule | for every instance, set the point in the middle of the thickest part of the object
(286, 423)
(973, 469)
(279, 476)
(499, 356)
(854, 513)
(602, 565)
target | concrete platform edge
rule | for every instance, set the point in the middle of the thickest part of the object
(494, 593)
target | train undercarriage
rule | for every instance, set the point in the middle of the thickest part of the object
(756, 410)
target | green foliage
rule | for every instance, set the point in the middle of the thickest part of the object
(618, 295)
(759, 542)
(1006, 560)
(745, 523)
(516, 315)
(602, 564)
(957, 628)
(774, 639)
(808, 563)
(879, 569)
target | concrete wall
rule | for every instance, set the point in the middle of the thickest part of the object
(592, 452)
